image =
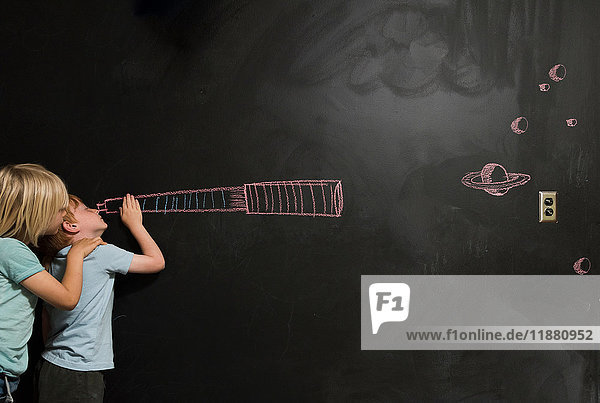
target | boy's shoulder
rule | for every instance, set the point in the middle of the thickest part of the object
(12, 243)
(101, 255)
(107, 257)
(13, 247)
(100, 251)
(17, 261)
(108, 249)
(110, 257)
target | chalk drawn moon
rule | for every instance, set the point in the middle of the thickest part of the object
(577, 266)
(515, 125)
(553, 73)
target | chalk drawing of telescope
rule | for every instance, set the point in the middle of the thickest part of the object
(316, 198)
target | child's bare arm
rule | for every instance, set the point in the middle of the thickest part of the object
(64, 295)
(151, 260)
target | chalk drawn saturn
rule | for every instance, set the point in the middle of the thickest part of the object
(494, 179)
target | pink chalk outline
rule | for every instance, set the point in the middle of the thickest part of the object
(252, 198)
(515, 125)
(577, 266)
(553, 73)
(482, 180)
(544, 87)
(571, 122)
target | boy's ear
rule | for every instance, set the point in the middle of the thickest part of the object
(69, 227)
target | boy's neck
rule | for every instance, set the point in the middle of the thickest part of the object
(81, 235)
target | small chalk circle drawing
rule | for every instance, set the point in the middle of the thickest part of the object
(558, 72)
(494, 179)
(571, 122)
(519, 125)
(582, 266)
(316, 198)
(544, 87)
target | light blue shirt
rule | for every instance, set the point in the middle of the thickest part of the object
(17, 262)
(81, 339)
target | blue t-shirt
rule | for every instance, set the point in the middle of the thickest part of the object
(17, 262)
(81, 339)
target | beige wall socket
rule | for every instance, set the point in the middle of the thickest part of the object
(548, 206)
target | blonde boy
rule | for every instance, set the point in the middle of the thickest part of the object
(32, 203)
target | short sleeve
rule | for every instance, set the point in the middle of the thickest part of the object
(117, 260)
(17, 261)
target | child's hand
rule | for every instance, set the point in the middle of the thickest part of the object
(131, 213)
(85, 246)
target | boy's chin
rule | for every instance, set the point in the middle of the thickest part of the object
(100, 229)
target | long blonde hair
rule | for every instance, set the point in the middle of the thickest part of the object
(30, 198)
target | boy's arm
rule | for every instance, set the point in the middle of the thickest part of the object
(63, 295)
(151, 260)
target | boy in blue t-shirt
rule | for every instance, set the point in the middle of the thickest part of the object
(78, 343)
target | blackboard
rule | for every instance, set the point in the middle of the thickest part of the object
(398, 100)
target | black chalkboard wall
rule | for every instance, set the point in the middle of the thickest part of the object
(399, 100)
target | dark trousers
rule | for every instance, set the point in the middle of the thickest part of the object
(57, 384)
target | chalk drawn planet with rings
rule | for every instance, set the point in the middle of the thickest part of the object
(482, 180)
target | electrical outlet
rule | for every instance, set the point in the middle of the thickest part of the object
(548, 206)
